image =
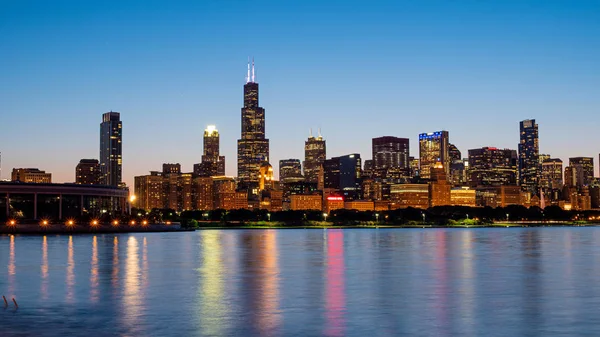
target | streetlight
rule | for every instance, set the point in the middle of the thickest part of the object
(377, 217)
(467, 216)
(423, 214)
(269, 217)
(325, 217)
(506, 216)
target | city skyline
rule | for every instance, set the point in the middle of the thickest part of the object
(505, 69)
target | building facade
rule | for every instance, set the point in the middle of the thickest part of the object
(253, 147)
(433, 148)
(111, 148)
(490, 166)
(88, 172)
(289, 170)
(31, 175)
(390, 152)
(552, 174)
(315, 152)
(583, 170)
(529, 151)
(212, 163)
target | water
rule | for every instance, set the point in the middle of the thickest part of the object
(354, 282)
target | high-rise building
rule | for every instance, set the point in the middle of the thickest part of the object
(552, 174)
(543, 157)
(315, 152)
(149, 191)
(344, 174)
(583, 170)
(433, 148)
(88, 172)
(289, 170)
(212, 163)
(31, 175)
(111, 154)
(490, 166)
(390, 152)
(529, 152)
(253, 147)
(439, 188)
(454, 153)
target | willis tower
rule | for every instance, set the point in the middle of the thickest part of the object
(253, 147)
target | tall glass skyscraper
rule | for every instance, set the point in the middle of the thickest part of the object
(315, 152)
(390, 152)
(529, 152)
(433, 148)
(253, 147)
(111, 153)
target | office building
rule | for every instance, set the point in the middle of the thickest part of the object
(552, 174)
(315, 152)
(529, 151)
(390, 152)
(343, 174)
(463, 196)
(439, 188)
(306, 202)
(409, 195)
(88, 172)
(490, 166)
(583, 170)
(253, 147)
(289, 170)
(433, 148)
(111, 148)
(212, 163)
(31, 175)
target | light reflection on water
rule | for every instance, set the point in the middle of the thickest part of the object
(388, 282)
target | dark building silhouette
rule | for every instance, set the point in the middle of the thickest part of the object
(212, 163)
(454, 153)
(289, 170)
(88, 172)
(529, 151)
(315, 152)
(490, 166)
(343, 174)
(390, 152)
(111, 148)
(253, 147)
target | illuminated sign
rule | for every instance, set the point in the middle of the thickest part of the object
(334, 198)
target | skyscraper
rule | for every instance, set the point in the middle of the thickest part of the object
(315, 152)
(212, 164)
(390, 152)
(490, 166)
(552, 174)
(289, 170)
(253, 147)
(344, 174)
(529, 152)
(88, 172)
(111, 148)
(433, 148)
(583, 170)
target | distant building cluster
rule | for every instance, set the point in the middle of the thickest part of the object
(439, 175)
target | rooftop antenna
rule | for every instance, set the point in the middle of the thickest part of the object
(310, 133)
(248, 76)
(253, 73)
(320, 133)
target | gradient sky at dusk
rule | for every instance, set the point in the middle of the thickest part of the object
(355, 69)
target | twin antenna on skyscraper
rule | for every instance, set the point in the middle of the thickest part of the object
(310, 133)
(251, 78)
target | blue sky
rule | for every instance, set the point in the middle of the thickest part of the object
(355, 69)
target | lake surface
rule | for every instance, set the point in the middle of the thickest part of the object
(305, 282)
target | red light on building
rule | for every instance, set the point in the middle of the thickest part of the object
(333, 198)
